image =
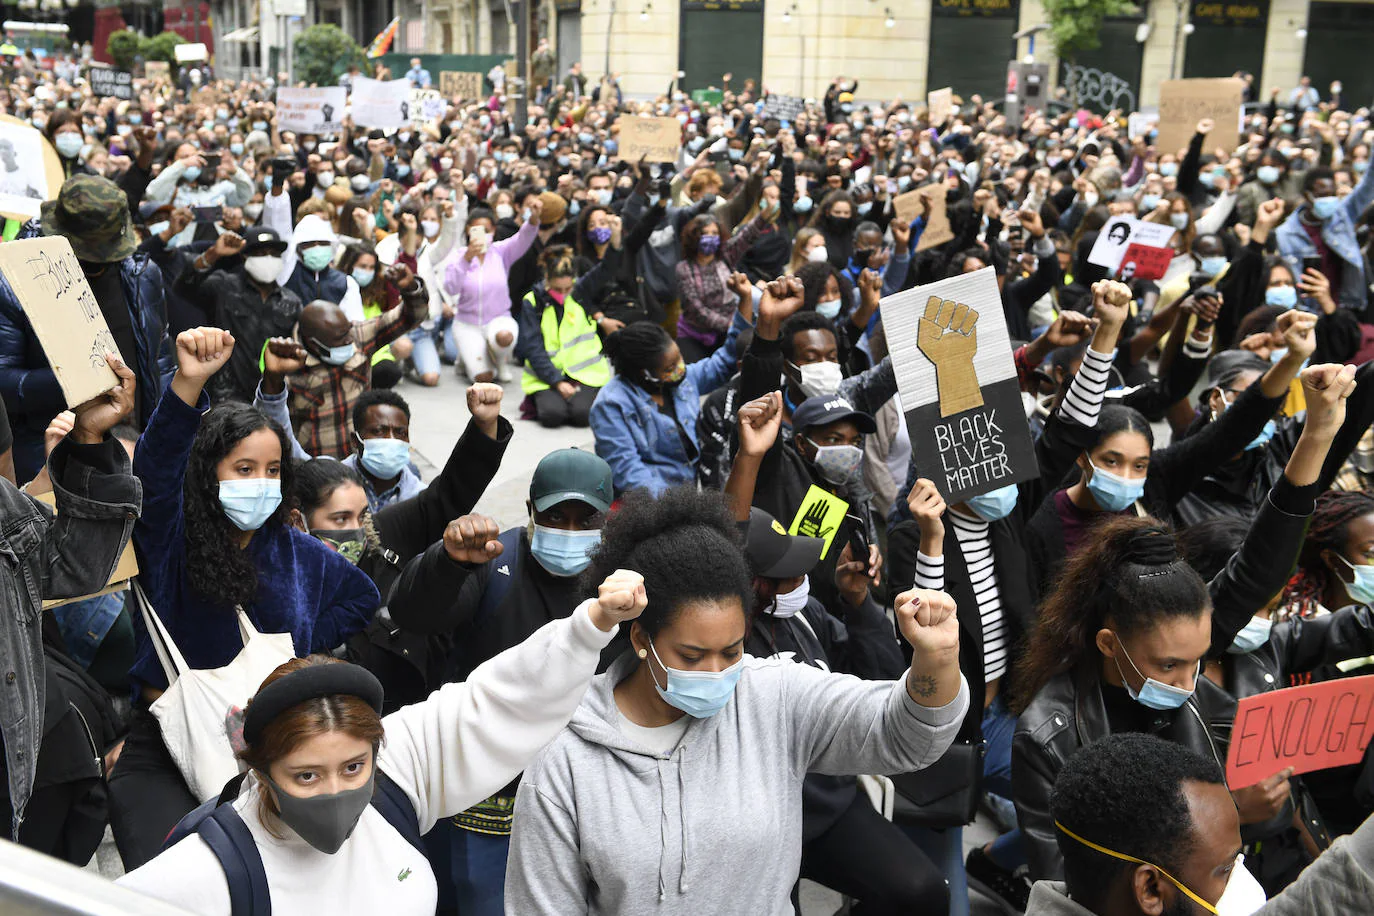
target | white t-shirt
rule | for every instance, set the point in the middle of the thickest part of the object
(660, 739)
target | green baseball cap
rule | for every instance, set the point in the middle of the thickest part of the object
(571, 473)
(93, 213)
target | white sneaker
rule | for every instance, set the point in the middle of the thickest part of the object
(503, 373)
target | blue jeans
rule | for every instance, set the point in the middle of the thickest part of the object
(426, 353)
(470, 868)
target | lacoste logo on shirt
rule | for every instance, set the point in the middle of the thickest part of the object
(503, 570)
(405, 873)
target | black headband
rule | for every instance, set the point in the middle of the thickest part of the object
(308, 684)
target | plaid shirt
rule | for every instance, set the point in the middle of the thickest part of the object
(707, 303)
(322, 395)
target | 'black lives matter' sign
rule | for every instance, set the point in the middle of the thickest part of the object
(958, 384)
(106, 83)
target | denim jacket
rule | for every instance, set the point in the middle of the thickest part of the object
(1339, 234)
(643, 445)
(98, 499)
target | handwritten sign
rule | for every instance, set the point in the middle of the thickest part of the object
(427, 106)
(783, 107)
(653, 139)
(940, 102)
(1307, 728)
(1121, 232)
(1182, 103)
(108, 83)
(820, 516)
(381, 103)
(949, 345)
(157, 69)
(52, 289)
(460, 83)
(311, 111)
(1142, 262)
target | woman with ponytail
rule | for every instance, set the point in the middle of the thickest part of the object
(1121, 640)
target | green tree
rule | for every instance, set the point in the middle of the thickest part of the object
(1074, 24)
(323, 52)
(162, 47)
(123, 48)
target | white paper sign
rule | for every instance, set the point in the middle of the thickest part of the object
(381, 103)
(426, 107)
(23, 180)
(1119, 233)
(311, 111)
(187, 53)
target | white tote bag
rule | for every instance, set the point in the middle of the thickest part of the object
(194, 712)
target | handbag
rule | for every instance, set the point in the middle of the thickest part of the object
(200, 706)
(944, 794)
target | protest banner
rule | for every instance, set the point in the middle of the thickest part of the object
(708, 96)
(820, 515)
(311, 111)
(908, 206)
(209, 97)
(652, 139)
(460, 83)
(30, 170)
(381, 103)
(1182, 103)
(783, 107)
(191, 52)
(157, 70)
(52, 289)
(949, 345)
(110, 83)
(1121, 232)
(1140, 123)
(124, 570)
(1143, 262)
(427, 106)
(941, 103)
(1313, 727)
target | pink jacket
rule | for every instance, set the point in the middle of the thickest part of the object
(479, 287)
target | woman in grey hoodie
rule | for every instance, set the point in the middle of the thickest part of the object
(676, 788)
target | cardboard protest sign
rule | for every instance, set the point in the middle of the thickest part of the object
(653, 139)
(124, 570)
(30, 171)
(157, 69)
(908, 206)
(783, 107)
(1142, 262)
(1119, 233)
(460, 83)
(109, 83)
(208, 97)
(1182, 103)
(941, 103)
(52, 289)
(311, 111)
(1308, 728)
(949, 345)
(820, 516)
(381, 103)
(426, 107)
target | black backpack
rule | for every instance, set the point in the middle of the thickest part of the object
(228, 837)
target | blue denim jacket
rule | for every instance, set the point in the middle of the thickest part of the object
(1339, 234)
(643, 445)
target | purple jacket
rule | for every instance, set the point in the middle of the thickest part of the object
(479, 287)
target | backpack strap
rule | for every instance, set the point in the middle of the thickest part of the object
(392, 802)
(232, 843)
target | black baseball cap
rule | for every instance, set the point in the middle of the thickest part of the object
(261, 238)
(775, 554)
(825, 409)
(571, 473)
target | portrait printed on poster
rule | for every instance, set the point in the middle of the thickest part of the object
(23, 181)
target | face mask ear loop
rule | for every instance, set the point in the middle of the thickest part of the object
(1125, 858)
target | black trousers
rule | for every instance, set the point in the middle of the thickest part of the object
(693, 350)
(866, 857)
(553, 411)
(147, 793)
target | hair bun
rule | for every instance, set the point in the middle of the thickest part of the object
(1152, 546)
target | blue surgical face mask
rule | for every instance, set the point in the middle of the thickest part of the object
(135, 118)
(385, 458)
(1168, 169)
(563, 553)
(1264, 436)
(1155, 694)
(337, 356)
(1285, 296)
(363, 277)
(1277, 355)
(1325, 207)
(250, 503)
(865, 207)
(1149, 201)
(158, 228)
(1362, 589)
(1267, 174)
(1206, 179)
(1111, 492)
(1212, 265)
(69, 144)
(829, 308)
(563, 162)
(700, 694)
(317, 258)
(997, 504)
(192, 173)
(803, 205)
(1253, 635)
(236, 149)
(402, 171)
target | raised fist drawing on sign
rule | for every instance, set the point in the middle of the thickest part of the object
(812, 523)
(947, 336)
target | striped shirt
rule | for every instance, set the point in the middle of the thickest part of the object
(1083, 401)
(976, 547)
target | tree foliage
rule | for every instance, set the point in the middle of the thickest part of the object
(1074, 24)
(126, 45)
(123, 48)
(323, 52)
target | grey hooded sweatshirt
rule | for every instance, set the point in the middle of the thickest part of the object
(605, 826)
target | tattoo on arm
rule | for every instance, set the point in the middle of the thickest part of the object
(923, 685)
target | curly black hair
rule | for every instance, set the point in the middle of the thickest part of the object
(684, 543)
(635, 349)
(815, 276)
(1125, 792)
(215, 565)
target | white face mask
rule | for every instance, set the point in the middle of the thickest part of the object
(820, 378)
(264, 268)
(1243, 895)
(792, 603)
(325, 179)
(505, 211)
(429, 227)
(818, 255)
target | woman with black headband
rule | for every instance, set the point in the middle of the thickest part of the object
(329, 816)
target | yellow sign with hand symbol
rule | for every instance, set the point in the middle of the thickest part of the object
(820, 516)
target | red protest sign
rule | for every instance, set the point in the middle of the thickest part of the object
(1145, 262)
(1308, 728)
